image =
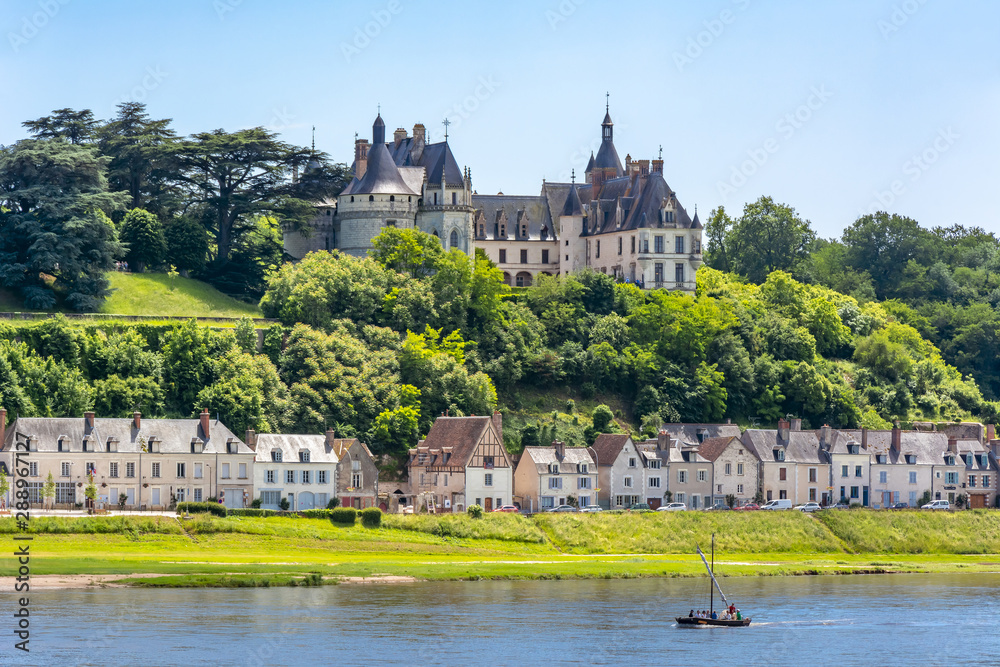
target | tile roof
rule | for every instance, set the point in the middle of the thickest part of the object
(461, 434)
(712, 448)
(608, 446)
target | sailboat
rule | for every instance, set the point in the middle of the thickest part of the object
(695, 620)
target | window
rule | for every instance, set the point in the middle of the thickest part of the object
(911, 459)
(289, 477)
(857, 471)
(782, 474)
(913, 498)
(657, 273)
(304, 456)
(269, 477)
(180, 495)
(678, 272)
(555, 482)
(883, 477)
(843, 471)
(682, 476)
(524, 257)
(270, 497)
(91, 468)
(986, 481)
(65, 493)
(779, 455)
(657, 244)
(739, 488)
(739, 468)
(355, 465)
(913, 477)
(276, 455)
(583, 482)
(633, 245)
(489, 462)
(812, 495)
(155, 471)
(112, 469)
(628, 482)
(321, 477)
(812, 475)
(583, 467)
(306, 476)
(130, 470)
(972, 481)
(33, 469)
(620, 245)
(197, 495)
(454, 200)
(545, 257)
(488, 479)
(356, 480)
(654, 482)
(372, 198)
(729, 468)
(598, 254)
(453, 237)
(243, 471)
(631, 462)
(951, 478)
(225, 471)
(679, 245)
(503, 255)
(679, 497)
(854, 492)
(548, 501)
(654, 464)
(702, 475)
(181, 470)
(65, 468)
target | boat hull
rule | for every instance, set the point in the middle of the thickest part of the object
(717, 622)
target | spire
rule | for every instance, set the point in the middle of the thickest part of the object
(572, 176)
(446, 123)
(378, 129)
(314, 139)
(590, 164)
(573, 205)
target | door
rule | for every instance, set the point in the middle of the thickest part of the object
(886, 498)
(864, 496)
(306, 501)
(488, 507)
(156, 497)
(291, 501)
(131, 497)
(977, 501)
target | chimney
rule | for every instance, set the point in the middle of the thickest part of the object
(953, 445)
(360, 157)
(419, 139)
(628, 164)
(782, 430)
(560, 449)
(662, 441)
(137, 420)
(330, 437)
(657, 166)
(398, 136)
(796, 424)
(88, 422)
(991, 432)
(3, 425)
(896, 433)
(498, 423)
(824, 436)
(205, 429)
(864, 438)
(251, 439)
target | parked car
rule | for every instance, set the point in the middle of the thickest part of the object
(808, 507)
(673, 507)
(564, 508)
(841, 506)
(718, 507)
(898, 506)
(638, 507)
(507, 508)
(937, 505)
(778, 504)
(591, 508)
(748, 507)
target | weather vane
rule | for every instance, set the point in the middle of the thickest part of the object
(446, 123)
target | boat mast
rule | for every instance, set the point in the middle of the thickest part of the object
(711, 581)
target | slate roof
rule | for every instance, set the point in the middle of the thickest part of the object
(536, 209)
(461, 434)
(802, 446)
(608, 446)
(543, 456)
(688, 433)
(381, 176)
(174, 435)
(607, 158)
(928, 447)
(291, 445)
(438, 159)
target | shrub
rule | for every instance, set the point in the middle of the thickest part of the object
(251, 511)
(314, 514)
(371, 517)
(333, 504)
(284, 504)
(202, 508)
(255, 503)
(343, 515)
(475, 511)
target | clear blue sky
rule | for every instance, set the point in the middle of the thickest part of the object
(714, 82)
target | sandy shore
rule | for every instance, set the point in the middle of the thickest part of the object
(67, 581)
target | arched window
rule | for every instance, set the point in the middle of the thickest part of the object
(436, 233)
(371, 197)
(453, 240)
(352, 199)
(523, 279)
(392, 197)
(435, 198)
(409, 199)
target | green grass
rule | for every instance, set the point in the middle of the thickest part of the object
(157, 294)
(915, 532)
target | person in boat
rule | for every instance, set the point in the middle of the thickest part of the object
(715, 615)
(691, 615)
(739, 615)
(732, 609)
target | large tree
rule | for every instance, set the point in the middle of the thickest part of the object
(77, 127)
(54, 234)
(882, 244)
(143, 234)
(768, 237)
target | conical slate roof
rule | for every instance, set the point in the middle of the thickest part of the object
(381, 176)
(590, 165)
(573, 205)
(607, 158)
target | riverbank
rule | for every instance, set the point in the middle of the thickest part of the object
(283, 551)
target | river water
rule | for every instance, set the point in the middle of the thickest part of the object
(829, 620)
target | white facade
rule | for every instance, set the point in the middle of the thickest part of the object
(301, 469)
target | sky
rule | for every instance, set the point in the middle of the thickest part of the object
(836, 108)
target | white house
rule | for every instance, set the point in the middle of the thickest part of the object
(299, 468)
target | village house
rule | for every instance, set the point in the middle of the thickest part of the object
(793, 464)
(621, 476)
(735, 469)
(153, 463)
(547, 477)
(902, 464)
(298, 468)
(656, 456)
(461, 462)
(356, 479)
(690, 475)
(850, 465)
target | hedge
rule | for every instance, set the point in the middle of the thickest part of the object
(343, 515)
(371, 517)
(196, 508)
(252, 512)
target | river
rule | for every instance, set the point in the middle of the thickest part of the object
(828, 620)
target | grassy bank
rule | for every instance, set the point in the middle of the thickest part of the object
(157, 294)
(283, 551)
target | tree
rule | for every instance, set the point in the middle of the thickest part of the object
(187, 244)
(767, 237)
(237, 176)
(54, 235)
(246, 335)
(116, 396)
(77, 127)
(602, 418)
(717, 230)
(90, 491)
(143, 234)
(409, 251)
(882, 244)
(188, 364)
(49, 489)
(4, 487)
(139, 150)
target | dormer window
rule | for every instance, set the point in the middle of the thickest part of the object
(853, 449)
(276, 455)
(880, 458)
(524, 231)
(654, 464)
(949, 460)
(232, 447)
(985, 461)
(62, 445)
(304, 456)
(89, 444)
(197, 445)
(912, 459)
(112, 444)
(33, 443)
(154, 445)
(581, 468)
(554, 468)
(779, 455)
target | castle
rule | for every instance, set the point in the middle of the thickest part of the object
(623, 220)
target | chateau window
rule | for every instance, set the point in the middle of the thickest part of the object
(598, 253)
(454, 198)
(524, 257)
(371, 197)
(658, 272)
(503, 231)
(390, 223)
(482, 230)
(392, 197)
(658, 244)
(545, 257)
(435, 198)
(524, 231)
(679, 245)
(453, 241)
(503, 256)
(678, 273)
(633, 245)
(619, 245)
(645, 245)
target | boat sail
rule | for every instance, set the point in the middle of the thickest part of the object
(712, 587)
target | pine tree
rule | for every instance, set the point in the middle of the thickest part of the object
(143, 234)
